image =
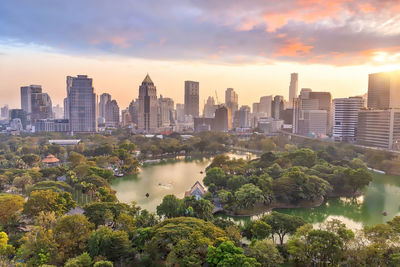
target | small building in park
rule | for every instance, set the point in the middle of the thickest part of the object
(51, 160)
(196, 190)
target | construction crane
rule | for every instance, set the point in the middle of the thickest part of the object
(216, 97)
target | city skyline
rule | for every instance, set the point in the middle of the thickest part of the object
(252, 47)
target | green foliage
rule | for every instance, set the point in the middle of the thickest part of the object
(215, 176)
(114, 245)
(83, 260)
(265, 252)
(10, 206)
(171, 207)
(248, 195)
(48, 200)
(282, 224)
(103, 264)
(102, 213)
(260, 229)
(227, 255)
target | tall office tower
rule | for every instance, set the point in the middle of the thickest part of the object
(66, 108)
(325, 103)
(26, 93)
(125, 117)
(41, 106)
(345, 118)
(265, 106)
(223, 119)
(293, 87)
(384, 90)
(244, 117)
(379, 128)
(81, 104)
(112, 113)
(133, 111)
(296, 115)
(147, 115)
(312, 122)
(209, 108)
(166, 116)
(19, 114)
(104, 98)
(278, 105)
(192, 98)
(4, 112)
(232, 100)
(256, 108)
(180, 112)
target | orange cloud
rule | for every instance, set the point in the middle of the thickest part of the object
(366, 8)
(293, 48)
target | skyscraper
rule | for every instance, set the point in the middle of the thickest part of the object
(384, 90)
(231, 100)
(244, 117)
(104, 98)
(277, 106)
(112, 113)
(345, 118)
(147, 114)
(166, 116)
(133, 111)
(379, 128)
(223, 120)
(4, 112)
(192, 98)
(26, 93)
(81, 104)
(293, 87)
(265, 106)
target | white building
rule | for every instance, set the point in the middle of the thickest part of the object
(345, 118)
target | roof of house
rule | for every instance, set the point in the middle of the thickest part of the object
(65, 142)
(197, 187)
(50, 159)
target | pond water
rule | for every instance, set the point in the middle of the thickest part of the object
(177, 176)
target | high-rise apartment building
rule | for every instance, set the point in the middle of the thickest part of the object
(126, 119)
(58, 112)
(379, 128)
(4, 112)
(384, 90)
(231, 100)
(278, 105)
(111, 113)
(244, 117)
(209, 108)
(81, 104)
(293, 87)
(180, 112)
(148, 107)
(166, 116)
(265, 106)
(133, 111)
(192, 98)
(35, 103)
(104, 98)
(345, 118)
(223, 119)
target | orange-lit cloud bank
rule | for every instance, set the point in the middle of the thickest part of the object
(249, 45)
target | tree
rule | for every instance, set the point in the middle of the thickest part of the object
(102, 213)
(103, 264)
(48, 200)
(6, 250)
(10, 206)
(215, 176)
(23, 181)
(283, 224)
(303, 157)
(83, 260)
(171, 207)
(248, 195)
(180, 237)
(260, 229)
(358, 179)
(265, 252)
(202, 208)
(71, 233)
(31, 159)
(114, 245)
(228, 255)
(76, 159)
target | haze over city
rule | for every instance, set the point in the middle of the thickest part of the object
(250, 46)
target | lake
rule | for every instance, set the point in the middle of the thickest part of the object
(178, 175)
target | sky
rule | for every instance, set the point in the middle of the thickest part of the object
(251, 46)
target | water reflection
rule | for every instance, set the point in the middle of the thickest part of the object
(175, 176)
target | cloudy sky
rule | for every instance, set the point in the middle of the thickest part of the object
(252, 46)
